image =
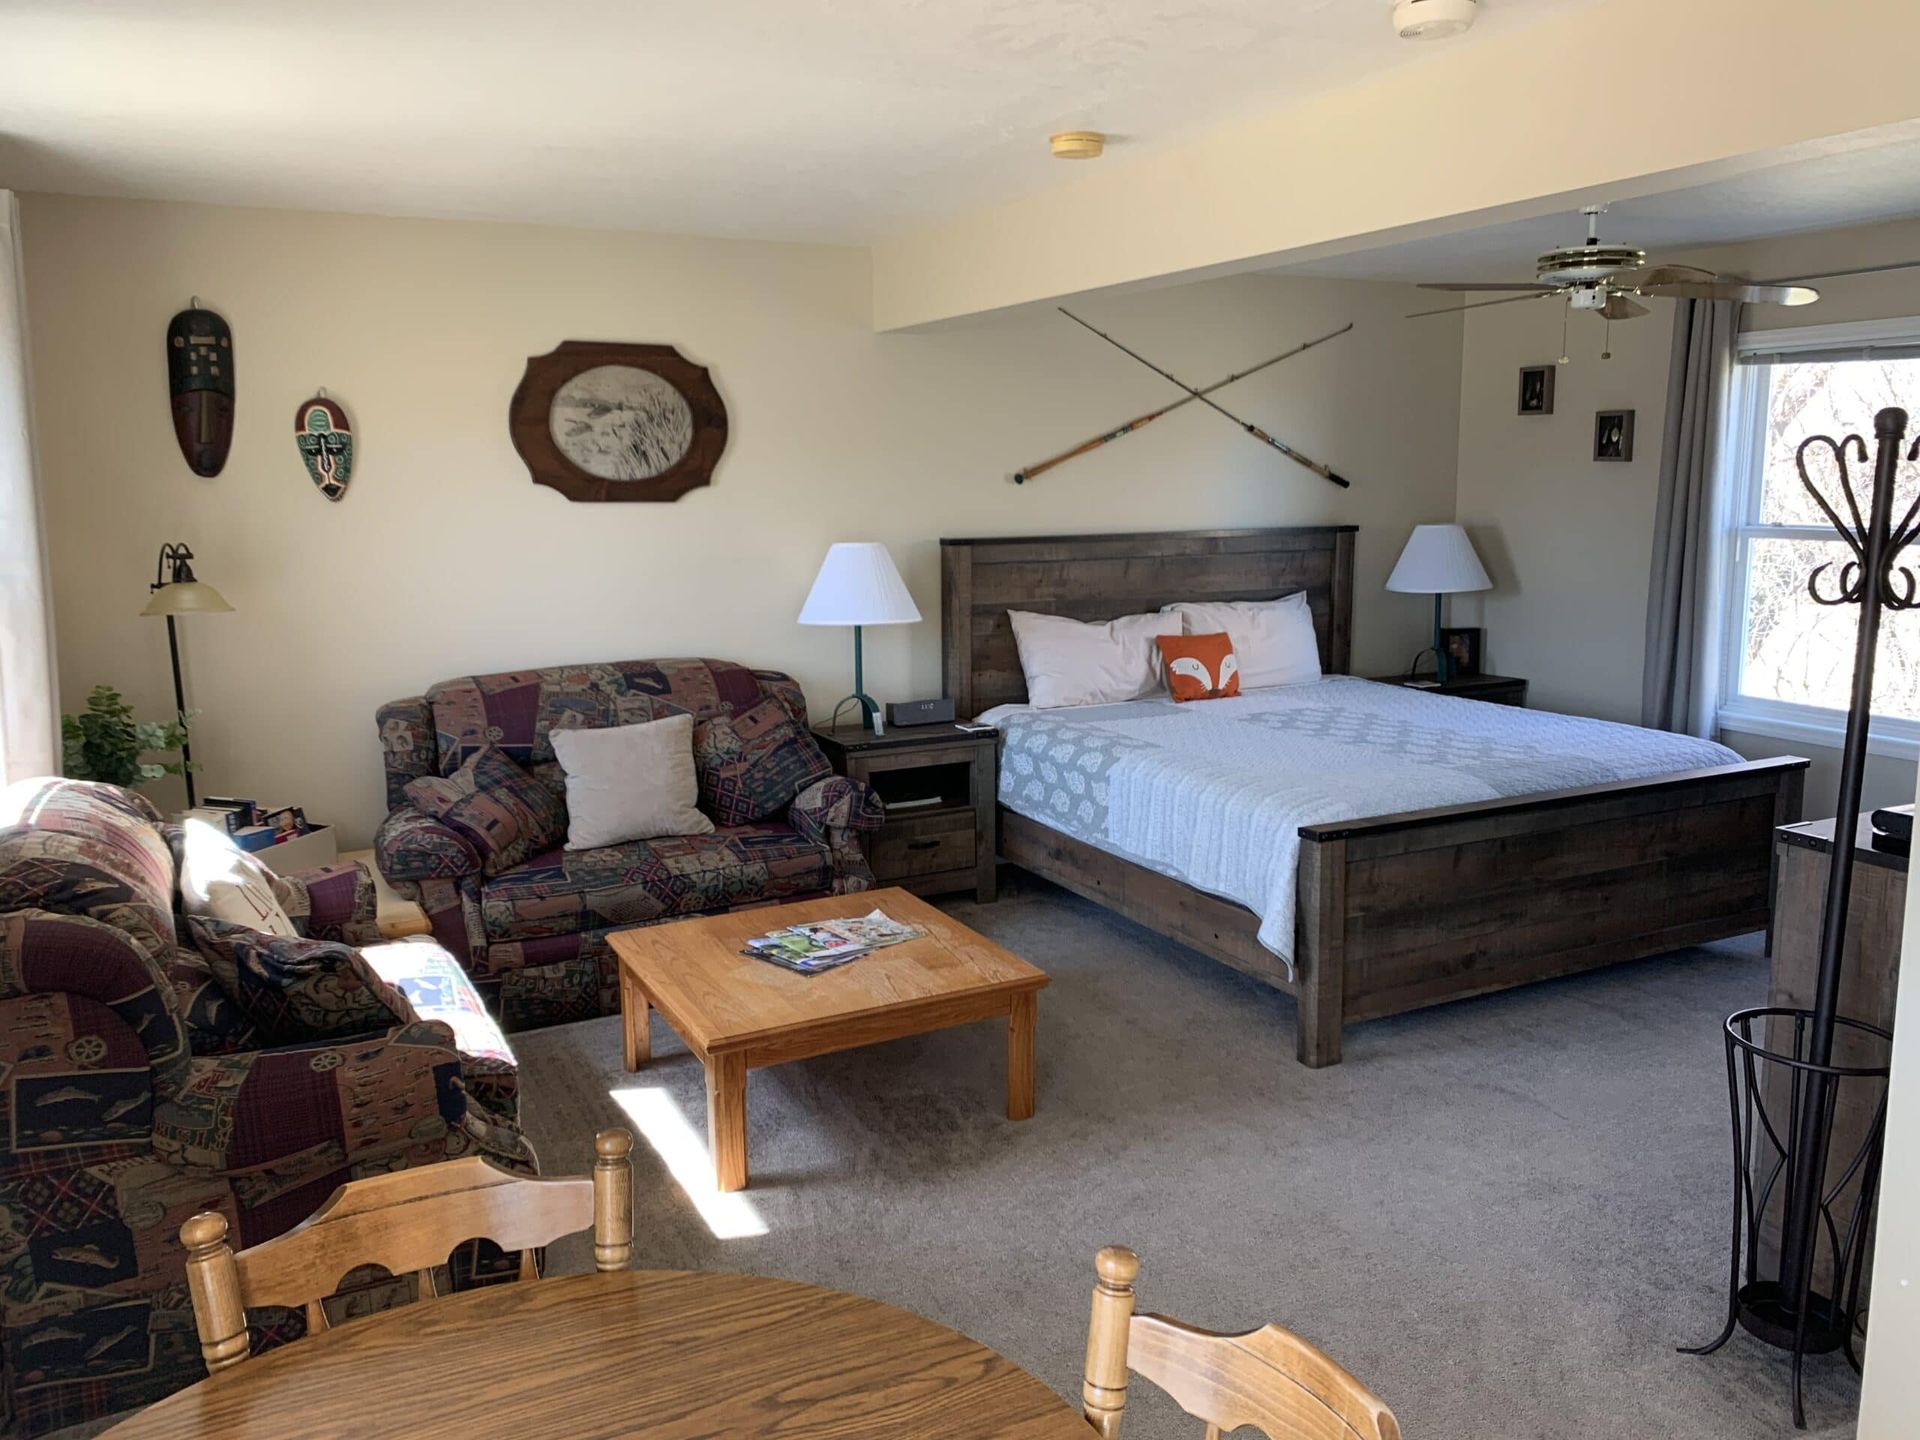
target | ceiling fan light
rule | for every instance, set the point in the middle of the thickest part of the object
(1433, 19)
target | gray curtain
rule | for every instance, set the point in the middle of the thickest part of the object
(1699, 380)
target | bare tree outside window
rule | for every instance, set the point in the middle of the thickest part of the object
(1794, 650)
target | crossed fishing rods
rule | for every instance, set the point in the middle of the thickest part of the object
(1020, 477)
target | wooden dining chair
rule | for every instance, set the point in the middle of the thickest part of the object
(1268, 1378)
(410, 1220)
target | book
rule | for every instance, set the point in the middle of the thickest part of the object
(824, 944)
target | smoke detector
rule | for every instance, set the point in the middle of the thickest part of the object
(1433, 19)
(1078, 145)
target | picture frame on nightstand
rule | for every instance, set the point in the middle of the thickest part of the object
(1462, 647)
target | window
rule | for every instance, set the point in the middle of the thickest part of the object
(1789, 660)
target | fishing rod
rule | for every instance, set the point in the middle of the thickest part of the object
(1324, 472)
(1020, 477)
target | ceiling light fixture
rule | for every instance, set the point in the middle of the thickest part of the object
(1078, 145)
(1433, 19)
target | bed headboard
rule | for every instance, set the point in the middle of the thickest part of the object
(1097, 577)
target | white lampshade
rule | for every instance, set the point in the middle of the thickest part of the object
(857, 585)
(1438, 560)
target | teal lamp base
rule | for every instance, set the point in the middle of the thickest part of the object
(1439, 650)
(866, 703)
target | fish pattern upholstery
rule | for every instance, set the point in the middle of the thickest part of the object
(135, 1093)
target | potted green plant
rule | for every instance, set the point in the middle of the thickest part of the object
(104, 742)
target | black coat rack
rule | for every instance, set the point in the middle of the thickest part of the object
(1787, 1068)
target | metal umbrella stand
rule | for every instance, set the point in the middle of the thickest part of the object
(1807, 1088)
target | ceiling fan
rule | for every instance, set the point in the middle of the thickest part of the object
(1605, 278)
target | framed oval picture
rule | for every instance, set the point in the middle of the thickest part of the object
(598, 420)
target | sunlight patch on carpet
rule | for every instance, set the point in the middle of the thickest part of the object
(663, 1126)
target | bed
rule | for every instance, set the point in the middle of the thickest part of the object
(1388, 912)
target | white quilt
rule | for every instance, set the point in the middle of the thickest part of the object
(1214, 792)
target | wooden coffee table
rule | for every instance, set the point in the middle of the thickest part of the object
(737, 1013)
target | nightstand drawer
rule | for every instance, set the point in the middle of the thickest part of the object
(909, 845)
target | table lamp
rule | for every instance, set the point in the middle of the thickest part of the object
(177, 592)
(857, 585)
(1439, 561)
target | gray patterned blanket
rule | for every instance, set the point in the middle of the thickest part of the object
(1214, 792)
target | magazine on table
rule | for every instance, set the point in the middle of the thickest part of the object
(823, 944)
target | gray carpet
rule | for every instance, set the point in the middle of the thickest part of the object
(1502, 1214)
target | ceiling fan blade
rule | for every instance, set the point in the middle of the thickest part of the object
(1733, 290)
(1481, 304)
(1468, 285)
(1675, 275)
(1619, 307)
(1843, 274)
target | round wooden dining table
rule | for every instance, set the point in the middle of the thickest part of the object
(636, 1352)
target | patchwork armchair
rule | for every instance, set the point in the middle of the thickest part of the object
(135, 1092)
(534, 937)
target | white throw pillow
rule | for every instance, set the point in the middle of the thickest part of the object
(1077, 662)
(630, 782)
(223, 882)
(1272, 639)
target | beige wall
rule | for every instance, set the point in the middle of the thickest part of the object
(1568, 540)
(444, 559)
(1565, 539)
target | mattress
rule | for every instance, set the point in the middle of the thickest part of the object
(1214, 792)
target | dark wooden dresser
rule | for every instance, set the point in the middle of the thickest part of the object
(1869, 974)
(1876, 911)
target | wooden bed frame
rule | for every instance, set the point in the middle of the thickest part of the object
(1397, 911)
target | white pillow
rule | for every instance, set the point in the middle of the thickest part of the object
(223, 882)
(1077, 662)
(630, 782)
(1272, 639)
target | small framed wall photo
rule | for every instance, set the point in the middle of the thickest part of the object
(1613, 435)
(1536, 390)
(1463, 650)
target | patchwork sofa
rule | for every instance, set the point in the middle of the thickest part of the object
(534, 937)
(135, 1092)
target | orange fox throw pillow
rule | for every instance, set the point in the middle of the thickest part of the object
(1200, 667)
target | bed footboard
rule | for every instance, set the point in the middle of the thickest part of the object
(1402, 911)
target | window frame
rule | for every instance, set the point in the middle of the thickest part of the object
(1740, 525)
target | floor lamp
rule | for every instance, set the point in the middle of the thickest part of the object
(177, 592)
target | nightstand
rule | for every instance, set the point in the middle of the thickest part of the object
(937, 782)
(1498, 689)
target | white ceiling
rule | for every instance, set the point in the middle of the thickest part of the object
(836, 120)
(1843, 184)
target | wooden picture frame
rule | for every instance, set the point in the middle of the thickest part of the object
(671, 448)
(1462, 647)
(1613, 435)
(1536, 389)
